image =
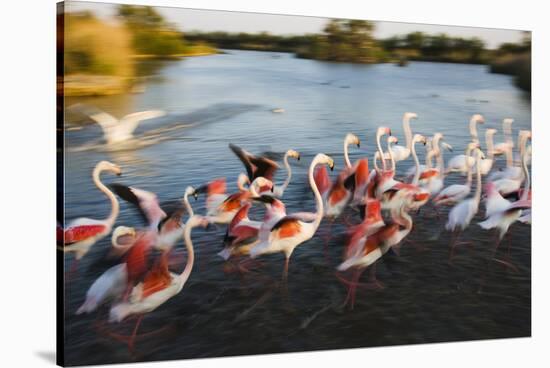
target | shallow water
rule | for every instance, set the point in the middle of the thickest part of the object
(228, 98)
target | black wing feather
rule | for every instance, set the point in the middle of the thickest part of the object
(245, 159)
(126, 193)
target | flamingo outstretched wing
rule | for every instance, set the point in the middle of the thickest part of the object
(146, 202)
(256, 166)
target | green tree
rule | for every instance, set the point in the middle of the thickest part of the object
(152, 35)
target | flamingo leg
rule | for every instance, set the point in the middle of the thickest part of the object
(327, 237)
(352, 288)
(505, 262)
(133, 336)
(454, 237)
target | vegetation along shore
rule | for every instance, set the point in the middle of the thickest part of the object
(102, 58)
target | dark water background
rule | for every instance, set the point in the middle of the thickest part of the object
(229, 98)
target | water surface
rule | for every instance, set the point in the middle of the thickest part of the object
(228, 98)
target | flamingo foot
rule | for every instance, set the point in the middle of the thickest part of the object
(373, 284)
(507, 264)
(129, 340)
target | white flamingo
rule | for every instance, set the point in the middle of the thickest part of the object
(401, 153)
(456, 192)
(502, 147)
(278, 190)
(462, 214)
(118, 130)
(487, 162)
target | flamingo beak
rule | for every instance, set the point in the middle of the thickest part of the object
(331, 167)
(298, 158)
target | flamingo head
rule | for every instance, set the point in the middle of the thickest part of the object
(477, 118)
(120, 232)
(419, 138)
(352, 139)
(191, 191)
(261, 184)
(383, 131)
(410, 115)
(293, 154)
(472, 146)
(490, 132)
(507, 121)
(109, 166)
(392, 139)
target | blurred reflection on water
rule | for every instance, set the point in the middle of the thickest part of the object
(229, 98)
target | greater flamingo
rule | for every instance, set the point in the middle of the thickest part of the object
(457, 192)
(462, 214)
(508, 144)
(487, 162)
(401, 153)
(501, 213)
(373, 247)
(158, 285)
(289, 232)
(278, 190)
(80, 234)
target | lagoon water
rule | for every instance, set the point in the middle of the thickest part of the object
(214, 100)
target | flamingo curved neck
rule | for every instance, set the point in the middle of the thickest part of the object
(289, 173)
(473, 130)
(114, 202)
(416, 177)
(509, 156)
(477, 195)
(507, 127)
(490, 145)
(381, 152)
(240, 185)
(390, 153)
(346, 155)
(469, 168)
(187, 204)
(318, 199)
(438, 156)
(184, 276)
(408, 132)
(429, 155)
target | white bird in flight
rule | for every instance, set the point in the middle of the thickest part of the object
(118, 130)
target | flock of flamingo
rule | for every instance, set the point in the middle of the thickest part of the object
(143, 281)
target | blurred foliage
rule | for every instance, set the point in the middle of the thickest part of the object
(346, 40)
(151, 34)
(251, 41)
(440, 47)
(95, 47)
(515, 60)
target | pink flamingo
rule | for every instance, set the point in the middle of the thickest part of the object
(372, 247)
(289, 232)
(158, 286)
(80, 234)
